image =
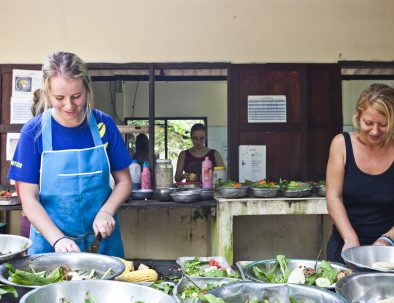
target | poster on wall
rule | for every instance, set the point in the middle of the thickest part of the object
(252, 162)
(267, 109)
(24, 83)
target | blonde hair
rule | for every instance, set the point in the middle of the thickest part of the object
(69, 66)
(381, 98)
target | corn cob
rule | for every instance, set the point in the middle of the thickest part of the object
(144, 275)
(128, 265)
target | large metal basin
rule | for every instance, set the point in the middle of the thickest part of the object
(242, 291)
(366, 287)
(16, 245)
(362, 258)
(268, 265)
(102, 291)
(49, 261)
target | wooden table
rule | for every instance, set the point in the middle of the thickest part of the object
(227, 209)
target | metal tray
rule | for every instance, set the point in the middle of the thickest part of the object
(221, 260)
(9, 201)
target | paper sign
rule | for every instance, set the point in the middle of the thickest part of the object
(266, 109)
(252, 162)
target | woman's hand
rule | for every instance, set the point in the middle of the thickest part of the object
(66, 245)
(351, 243)
(104, 223)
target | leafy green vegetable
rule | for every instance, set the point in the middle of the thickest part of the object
(327, 271)
(33, 278)
(163, 286)
(211, 299)
(7, 289)
(200, 268)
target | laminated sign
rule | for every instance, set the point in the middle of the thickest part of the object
(267, 109)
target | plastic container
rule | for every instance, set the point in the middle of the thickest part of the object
(146, 182)
(164, 173)
(206, 176)
(219, 172)
(135, 172)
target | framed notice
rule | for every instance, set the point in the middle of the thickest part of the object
(252, 162)
(267, 109)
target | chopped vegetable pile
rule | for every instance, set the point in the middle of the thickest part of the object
(59, 274)
(323, 276)
(211, 268)
(263, 183)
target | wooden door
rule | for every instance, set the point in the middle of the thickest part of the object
(298, 148)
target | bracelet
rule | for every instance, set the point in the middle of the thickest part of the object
(61, 238)
(387, 239)
(104, 211)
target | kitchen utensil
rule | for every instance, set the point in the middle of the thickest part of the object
(318, 256)
(102, 291)
(366, 287)
(363, 258)
(94, 247)
(232, 192)
(12, 246)
(49, 261)
(268, 265)
(246, 290)
(186, 196)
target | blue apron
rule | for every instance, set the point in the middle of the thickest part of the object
(74, 184)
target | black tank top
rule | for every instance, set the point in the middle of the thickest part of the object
(368, 199)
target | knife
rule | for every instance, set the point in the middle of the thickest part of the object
(94, 247)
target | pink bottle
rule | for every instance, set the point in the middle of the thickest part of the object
(206, 176)
(146, 176)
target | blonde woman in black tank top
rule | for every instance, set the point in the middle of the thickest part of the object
(360, 176)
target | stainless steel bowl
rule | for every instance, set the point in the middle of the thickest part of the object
(268, 265)
(363, 258)
(206, 194)
(245, 290)
(141, 194)
(164, 194)
(232, 192)
(12, 246)
(202, 283)
(320, 190)
(102, 291)
(185, 196)
(265, 192)
(48, 262)
(366, 287)
(296, 193)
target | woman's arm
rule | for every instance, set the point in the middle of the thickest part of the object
(29, 196)
(179, 175)
(334, 182)
(104, 221)
(218, 159)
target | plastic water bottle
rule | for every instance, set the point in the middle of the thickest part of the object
(135, 172)
(146, 176)
(207, 173)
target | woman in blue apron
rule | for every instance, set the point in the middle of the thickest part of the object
(63, 162)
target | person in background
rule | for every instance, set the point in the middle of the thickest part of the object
(360, 176)
(141, 149)
(63, 161)
(190, 160)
